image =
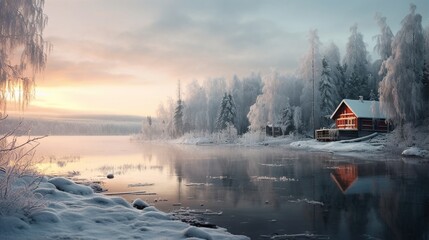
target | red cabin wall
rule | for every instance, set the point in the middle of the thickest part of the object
(345, 118)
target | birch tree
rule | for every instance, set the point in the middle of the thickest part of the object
(23, 54)
(401, 88)
(383, 47)
(23, 50)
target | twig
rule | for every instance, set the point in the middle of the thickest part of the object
(23, 144)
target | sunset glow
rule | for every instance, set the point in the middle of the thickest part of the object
(127, 58)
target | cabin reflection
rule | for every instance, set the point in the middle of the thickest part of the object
(353, 178)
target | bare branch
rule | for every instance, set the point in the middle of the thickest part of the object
(23, 144)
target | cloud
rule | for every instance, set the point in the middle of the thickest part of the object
(147, 42)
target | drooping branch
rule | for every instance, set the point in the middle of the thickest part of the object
(21, 34)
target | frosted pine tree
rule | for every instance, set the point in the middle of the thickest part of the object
(227, 112)
(356, 59)
(250, 88)
(178, 115)
(332, 56)
(401, 88)
(287, 119)
(328, 93)
(341, 80)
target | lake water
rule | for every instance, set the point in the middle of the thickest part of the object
(258, 192)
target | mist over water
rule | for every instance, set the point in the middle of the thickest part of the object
(261, 191)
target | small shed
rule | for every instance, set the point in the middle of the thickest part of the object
(269, 131)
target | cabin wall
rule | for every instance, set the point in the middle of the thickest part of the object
(372, 125)
(346, 119)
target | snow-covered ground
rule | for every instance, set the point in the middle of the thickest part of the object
(74, 211)
(367, 145)
(340, 147)
(299, 142)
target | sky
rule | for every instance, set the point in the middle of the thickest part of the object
(126, 56)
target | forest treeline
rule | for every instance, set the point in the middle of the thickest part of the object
(398, 79)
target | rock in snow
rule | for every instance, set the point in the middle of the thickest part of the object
(140, 204)
(110, 176)
(415, 152)
(74, 211)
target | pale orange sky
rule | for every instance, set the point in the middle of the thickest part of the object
(125, 57)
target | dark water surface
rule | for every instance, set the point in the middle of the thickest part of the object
(261, 191)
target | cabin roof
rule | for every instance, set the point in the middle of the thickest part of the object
(362, 108)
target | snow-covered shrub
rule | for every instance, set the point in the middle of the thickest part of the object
(227, 135)
(17, 177)
(409, 136)
(252, 137)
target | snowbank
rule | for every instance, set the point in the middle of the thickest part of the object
(74, 212)
(415, 152)
(337, 146)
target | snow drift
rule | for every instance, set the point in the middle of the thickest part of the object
(75, 212)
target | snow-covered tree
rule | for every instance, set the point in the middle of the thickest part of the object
(356, 59)
(309, 71)
(384, 39)
(227, 113)
(23, 54)
(401, 88)
(277, 93)
(244, 92)
(426, 72)
(23, 50)
(178, 114)
(165, 117)
(214, 88)
(328, 93)
(287, 119)
(383, 47)
(332, 56)
(195, 112)
(341, 77)
(264, 109)
(297, 119)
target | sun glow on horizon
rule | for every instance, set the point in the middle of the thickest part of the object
(107, 99)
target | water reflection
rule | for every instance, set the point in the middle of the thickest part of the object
(262, 191)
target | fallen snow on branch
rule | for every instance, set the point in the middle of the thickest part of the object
(74, 212)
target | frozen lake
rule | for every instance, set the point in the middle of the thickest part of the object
(261, 191)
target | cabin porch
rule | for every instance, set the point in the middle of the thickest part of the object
(327, 135)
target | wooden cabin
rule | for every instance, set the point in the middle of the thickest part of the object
(355, 118)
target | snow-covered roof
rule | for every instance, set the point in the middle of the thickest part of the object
(362, 108)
